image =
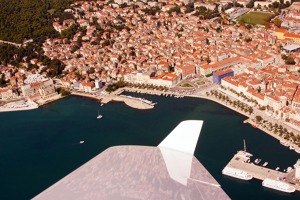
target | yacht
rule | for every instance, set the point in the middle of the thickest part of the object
(99, 116)
(297, 150)
(278, 185)
(284, 143)
(257, 161)
(265, 164)
(289, 169)
(236, 173)
(81, 142)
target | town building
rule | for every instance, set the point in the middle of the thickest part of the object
(218, 75)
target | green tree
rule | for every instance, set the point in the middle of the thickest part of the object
(277, 22)
(290, 61)
(258, 118)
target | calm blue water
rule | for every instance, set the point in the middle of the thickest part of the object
(41, 146)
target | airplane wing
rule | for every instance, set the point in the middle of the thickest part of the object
(169, 171)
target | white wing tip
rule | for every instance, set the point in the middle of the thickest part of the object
(184, 137)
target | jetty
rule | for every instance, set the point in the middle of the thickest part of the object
(137, 103)
(242, 162)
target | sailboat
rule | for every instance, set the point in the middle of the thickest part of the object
(99, 116)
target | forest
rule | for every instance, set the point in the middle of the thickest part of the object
(29, 19)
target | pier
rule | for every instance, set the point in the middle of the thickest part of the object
(242, 162)
(132, 102)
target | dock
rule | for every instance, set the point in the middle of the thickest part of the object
(132, 102)
(241, 162)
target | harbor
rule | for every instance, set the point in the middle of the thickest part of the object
(243, 167)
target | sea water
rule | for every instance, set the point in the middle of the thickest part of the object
(39, 147)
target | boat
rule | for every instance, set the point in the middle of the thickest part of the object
(284, 143)
(278, 185)
(99, 116)
(81, 142)
(297, 150)
(277, 168)
(254, 125)
(289, 169)
(265, 164)
(257, 161)
(236, 173)
(292, 148)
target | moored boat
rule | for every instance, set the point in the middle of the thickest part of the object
(254, 125)
(278, 185)
(236, 173)
(284, 143)
(265, 164)
(257, 161)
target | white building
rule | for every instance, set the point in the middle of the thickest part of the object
(297, 169)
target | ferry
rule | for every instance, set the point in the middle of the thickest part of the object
(236, 173)
(278, 185)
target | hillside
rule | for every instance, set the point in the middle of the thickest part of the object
(25, 19)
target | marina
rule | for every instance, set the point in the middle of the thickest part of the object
(274, 179)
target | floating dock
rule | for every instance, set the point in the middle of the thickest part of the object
(242, 162)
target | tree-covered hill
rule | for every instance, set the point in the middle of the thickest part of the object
(26, 19)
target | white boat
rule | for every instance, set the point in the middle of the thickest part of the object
(284, 143)
(278, 185)
(265, 164)
(81, 142)
(257, 161)
(289, 169)
(297, 150)
(99, 116)
(292, 148)
(236, 173)
(277, 168)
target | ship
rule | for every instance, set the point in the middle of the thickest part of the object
(278, 185)
(236, 173)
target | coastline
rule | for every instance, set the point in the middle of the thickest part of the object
(249, 120)
(137, 104)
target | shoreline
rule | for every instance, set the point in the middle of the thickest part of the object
(249, 120)
(141, 105)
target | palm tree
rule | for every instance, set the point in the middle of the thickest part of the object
(258, 118)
